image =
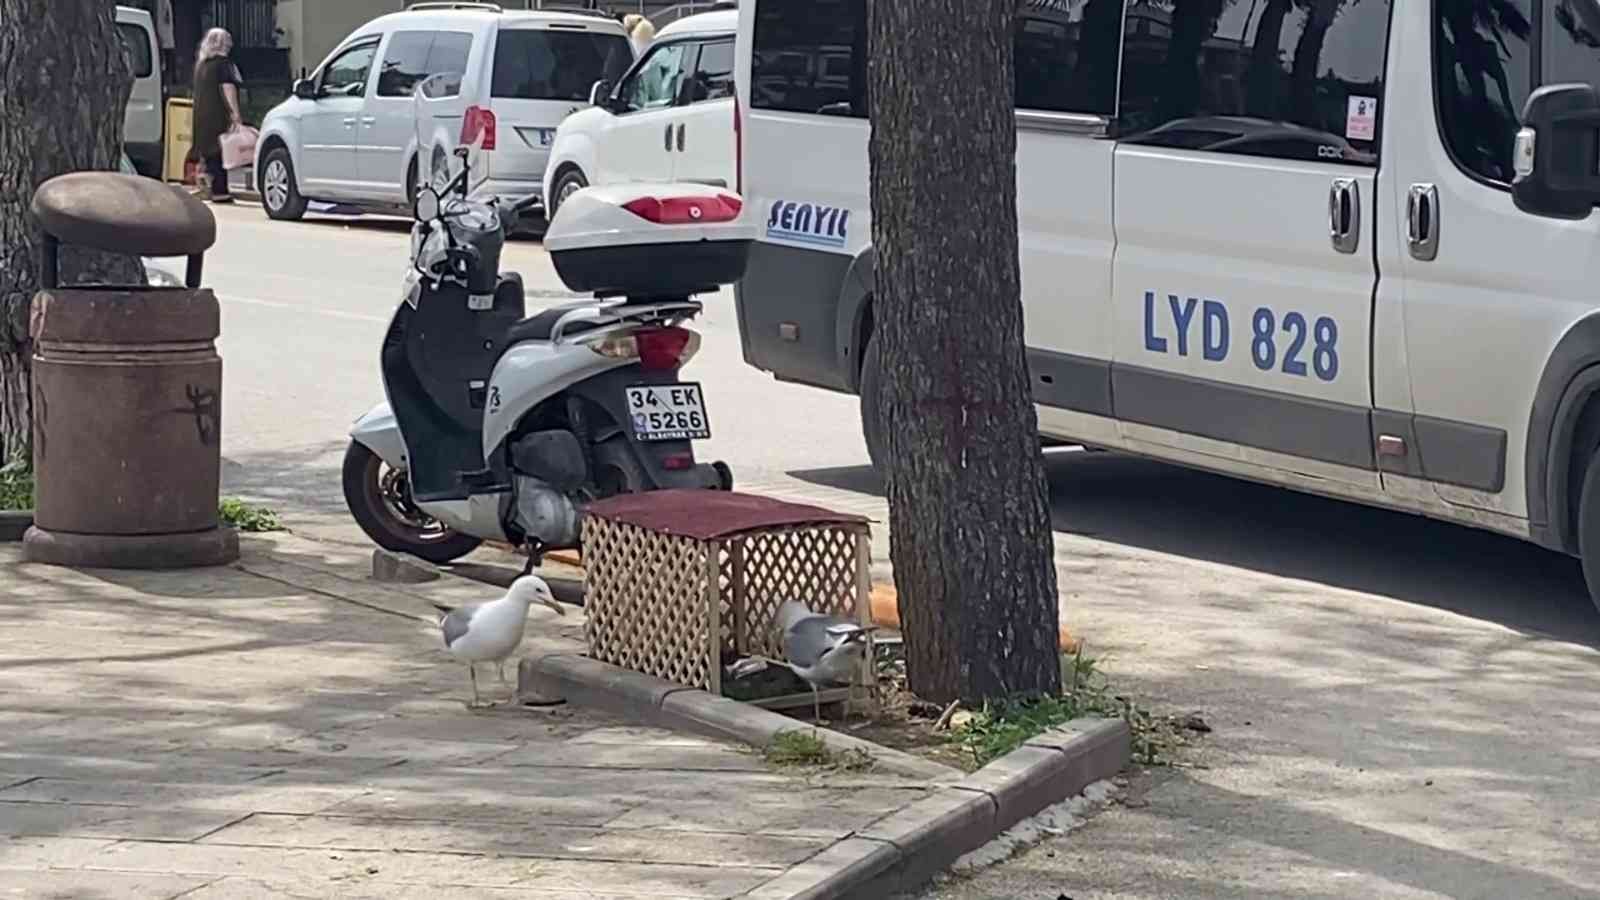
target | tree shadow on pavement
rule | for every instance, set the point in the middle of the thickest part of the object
(1148, 505)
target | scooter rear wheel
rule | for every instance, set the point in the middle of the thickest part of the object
(379, 497)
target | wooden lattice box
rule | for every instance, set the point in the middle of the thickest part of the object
(679, 582)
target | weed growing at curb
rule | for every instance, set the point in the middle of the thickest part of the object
(802, 748)
(999, 728)
(16, 486)
(246, 517)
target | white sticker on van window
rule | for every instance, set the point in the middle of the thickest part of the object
(1361, 122)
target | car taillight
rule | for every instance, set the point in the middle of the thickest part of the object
(666, 348)
(679, 462)
(738, 147)
(686, 210)
(478, 123)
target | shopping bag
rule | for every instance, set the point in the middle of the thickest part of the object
(239, 147)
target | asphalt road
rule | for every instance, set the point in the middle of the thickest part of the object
(1402, 708)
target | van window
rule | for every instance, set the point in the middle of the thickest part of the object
(810, 57)
(556, 65)
(1571, 44)
(346, 75)
(1483, 66)
(449, 53)
(1293, 79)
(405, 63)
(1067, 61)
(136, 42)
(657, 81)
(713, 76)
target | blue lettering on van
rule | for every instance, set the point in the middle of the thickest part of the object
(807, 223)
(1277, 342)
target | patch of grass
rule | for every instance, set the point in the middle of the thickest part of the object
(16, 486)
(999, 728)
(246, 517)
(800, 748)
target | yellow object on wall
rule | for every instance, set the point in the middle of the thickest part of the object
(180, 137)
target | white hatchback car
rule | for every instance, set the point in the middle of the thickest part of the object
(352, 134)
(671, 118)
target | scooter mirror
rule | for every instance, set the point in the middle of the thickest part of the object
(427, 207)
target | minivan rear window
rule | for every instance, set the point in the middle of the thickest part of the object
(136, 41)
(556, 65)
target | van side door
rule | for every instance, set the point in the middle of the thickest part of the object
(640, 139)
(703, 144)
(144, 115)
(1246, 176)
(1489, 292)
(329, 132)
(389, 123)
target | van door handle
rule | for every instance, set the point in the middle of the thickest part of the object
(681, 129)
(1422, 221)
(350, 122)
(669, 138)
(368, 120)
(1344, 215)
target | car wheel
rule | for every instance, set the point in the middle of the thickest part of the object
(280, 196)
(570, 182)
(873, 427)
(379, 498)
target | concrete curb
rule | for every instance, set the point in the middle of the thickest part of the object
(13, 525)
(904, 849)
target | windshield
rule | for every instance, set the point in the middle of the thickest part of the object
(556, 65)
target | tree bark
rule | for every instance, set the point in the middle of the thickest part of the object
(64, 83)
(969, 512)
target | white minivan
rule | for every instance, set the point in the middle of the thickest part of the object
(1346, 248)
(669, 119)
(143, 118)
(352, 134)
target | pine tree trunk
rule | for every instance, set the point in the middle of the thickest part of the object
(64, 84)
(969, 515)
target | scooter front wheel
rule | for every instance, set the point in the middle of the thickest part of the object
(379, 497)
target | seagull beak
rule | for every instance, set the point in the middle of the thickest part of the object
(555, 606)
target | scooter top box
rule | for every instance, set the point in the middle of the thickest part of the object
(650, 240)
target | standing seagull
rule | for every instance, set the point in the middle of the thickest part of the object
(491, 632)
(822, 650)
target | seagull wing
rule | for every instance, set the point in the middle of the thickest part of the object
(455, 623)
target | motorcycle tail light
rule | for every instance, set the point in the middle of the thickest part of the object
(678, 463)
(686, 210)
(621, 346)
(666, 348)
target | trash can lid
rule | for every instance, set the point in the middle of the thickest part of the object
(124, 214)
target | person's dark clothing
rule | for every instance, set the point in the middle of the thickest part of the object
(211, 117)
(217, 174)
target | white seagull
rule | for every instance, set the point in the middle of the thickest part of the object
(822, 650)
(491, 632)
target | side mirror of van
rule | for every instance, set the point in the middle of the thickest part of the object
(600, 94)
(1557, 153)
(305, 89)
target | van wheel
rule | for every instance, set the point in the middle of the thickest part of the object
(570, 182)
(873, 426)
(379, 498)
(280, 196)
(1589, 527)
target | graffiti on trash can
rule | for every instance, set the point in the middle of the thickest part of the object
(203, 406)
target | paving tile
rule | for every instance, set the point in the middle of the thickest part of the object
(48, 852)
(74, 885)
(78, 820)
(242, 798)
(455, 835)
(830, 813)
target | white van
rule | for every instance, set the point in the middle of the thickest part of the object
(669, 119)
(143, 118)
(349, 135)
(1297, 243)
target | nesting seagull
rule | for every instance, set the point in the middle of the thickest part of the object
(491, 632)
(822, 650)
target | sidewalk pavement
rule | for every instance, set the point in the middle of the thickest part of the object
(1402, 708)
(288, 728)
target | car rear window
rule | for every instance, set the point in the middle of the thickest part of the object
(556, 65)
(136, 42)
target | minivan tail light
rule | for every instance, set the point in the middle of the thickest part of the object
(478, 123)
(666, 348)
(686, 210)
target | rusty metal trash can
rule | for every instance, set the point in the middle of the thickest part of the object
(127, 387)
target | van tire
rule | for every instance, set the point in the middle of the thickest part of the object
(281, 200)
(571, 180)
(873, 426)
(1589, 527)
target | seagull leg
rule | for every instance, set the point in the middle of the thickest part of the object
(816, 706)
(472, 672)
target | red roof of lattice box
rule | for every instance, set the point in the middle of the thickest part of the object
(709, 515)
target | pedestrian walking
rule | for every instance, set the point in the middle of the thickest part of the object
(216, 109)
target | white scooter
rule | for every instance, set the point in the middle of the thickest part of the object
(502, 428)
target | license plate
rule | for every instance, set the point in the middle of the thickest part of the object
(668, 412)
